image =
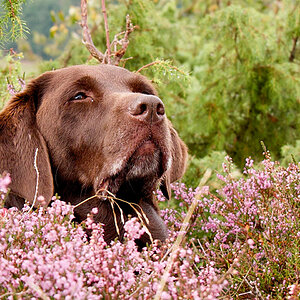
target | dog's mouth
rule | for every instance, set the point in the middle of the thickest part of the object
(137, 175)
(147, 148)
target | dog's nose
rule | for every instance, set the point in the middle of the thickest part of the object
(147, 108)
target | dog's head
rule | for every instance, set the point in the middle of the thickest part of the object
(101, 127)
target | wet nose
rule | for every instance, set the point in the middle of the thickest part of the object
(147, 108)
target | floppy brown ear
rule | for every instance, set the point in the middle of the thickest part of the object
(19, 141)
(178, 162)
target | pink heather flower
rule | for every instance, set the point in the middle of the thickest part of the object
(51, 236)
(182, 253)
(94, 210)
(43, 247)
(165, 296)
(133, 229)
(4, 182)
(159, 196)
(3, 212)
(251, 243)
(11, 89)
(249, 162)
(41, 200)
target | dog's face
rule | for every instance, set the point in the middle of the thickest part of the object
(105, 127)
(97, 128)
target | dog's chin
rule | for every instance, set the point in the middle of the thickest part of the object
(145, 162)
(139, 175)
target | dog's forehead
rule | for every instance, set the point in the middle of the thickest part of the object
(100, 72)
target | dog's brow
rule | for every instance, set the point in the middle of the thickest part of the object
(86, 82)
(140, 85)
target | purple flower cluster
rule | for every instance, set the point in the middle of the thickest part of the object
(4, 183)
(243, 240)
(12, 90)
(44, 254)
(254, 219)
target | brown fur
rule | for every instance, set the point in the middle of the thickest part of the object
(114, 135)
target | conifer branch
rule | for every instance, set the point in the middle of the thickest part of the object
(11, 25)
(148, 65)
(12, 10)
(293, 52)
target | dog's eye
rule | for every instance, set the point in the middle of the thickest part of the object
(80, 96)
(147, 92)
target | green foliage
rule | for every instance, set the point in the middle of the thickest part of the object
(290, 153)
(10, 75)
(11, 24)
(214, 161)
(246, 89)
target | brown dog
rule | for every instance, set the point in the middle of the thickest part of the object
(95, 128)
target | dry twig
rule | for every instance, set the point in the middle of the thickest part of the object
(87, 39)
(119, 43)
(108, 54)
(124, 42)
(180, 236)
(36, 288)
(293, 52)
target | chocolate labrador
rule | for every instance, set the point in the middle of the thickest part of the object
(91, 130)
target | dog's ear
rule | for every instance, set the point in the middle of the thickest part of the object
(23, 151)
(178, 162)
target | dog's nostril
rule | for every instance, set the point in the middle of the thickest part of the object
(143, 108)
(160, 109)
(147, 109)
(138, 108)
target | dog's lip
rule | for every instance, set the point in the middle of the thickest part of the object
(147, 147)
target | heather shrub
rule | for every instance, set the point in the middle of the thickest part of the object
(44, 254)
(249, 229)
(242, 241)
(11, 80)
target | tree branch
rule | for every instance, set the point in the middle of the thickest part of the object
(148, 65)
(87, 39)
(124, 42)
(108, 54)
(12, 10)
(293, 52)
